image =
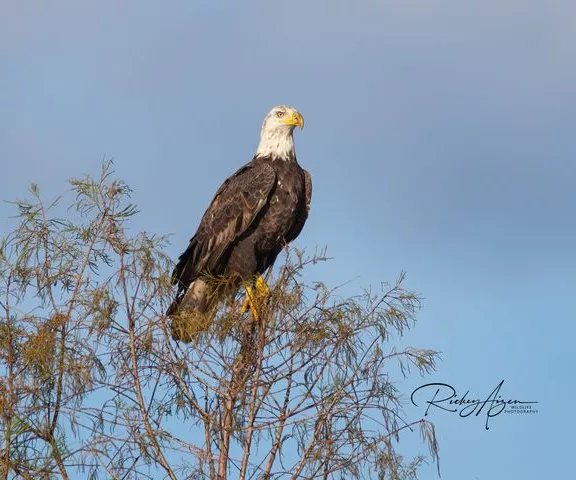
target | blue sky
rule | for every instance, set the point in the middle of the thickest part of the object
(440, 138)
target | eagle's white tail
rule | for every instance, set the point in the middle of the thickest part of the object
(191, 314)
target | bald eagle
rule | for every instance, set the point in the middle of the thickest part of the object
(253, 215)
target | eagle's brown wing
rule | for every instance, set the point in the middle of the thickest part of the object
(235, 206)
(304, 210)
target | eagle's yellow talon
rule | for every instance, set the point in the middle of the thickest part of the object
(255, 297)
(261, 287)
(247, 304)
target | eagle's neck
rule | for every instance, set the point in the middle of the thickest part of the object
(277, 143)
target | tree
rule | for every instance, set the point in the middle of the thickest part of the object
(92, 384)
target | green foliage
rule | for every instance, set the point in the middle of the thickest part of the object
(92, 385)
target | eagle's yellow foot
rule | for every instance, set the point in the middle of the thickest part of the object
(255, 297)
(246, 303)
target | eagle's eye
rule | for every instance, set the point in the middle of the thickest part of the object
(280, 114)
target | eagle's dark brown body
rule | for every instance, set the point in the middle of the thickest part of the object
(253, 215)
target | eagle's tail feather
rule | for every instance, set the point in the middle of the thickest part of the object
(191, 312)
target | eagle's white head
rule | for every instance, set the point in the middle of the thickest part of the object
(276, 136)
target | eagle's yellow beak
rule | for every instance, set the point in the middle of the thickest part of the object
(295, 119)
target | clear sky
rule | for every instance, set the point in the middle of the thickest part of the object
(440, 135)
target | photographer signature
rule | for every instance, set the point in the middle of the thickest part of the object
(445, 398)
